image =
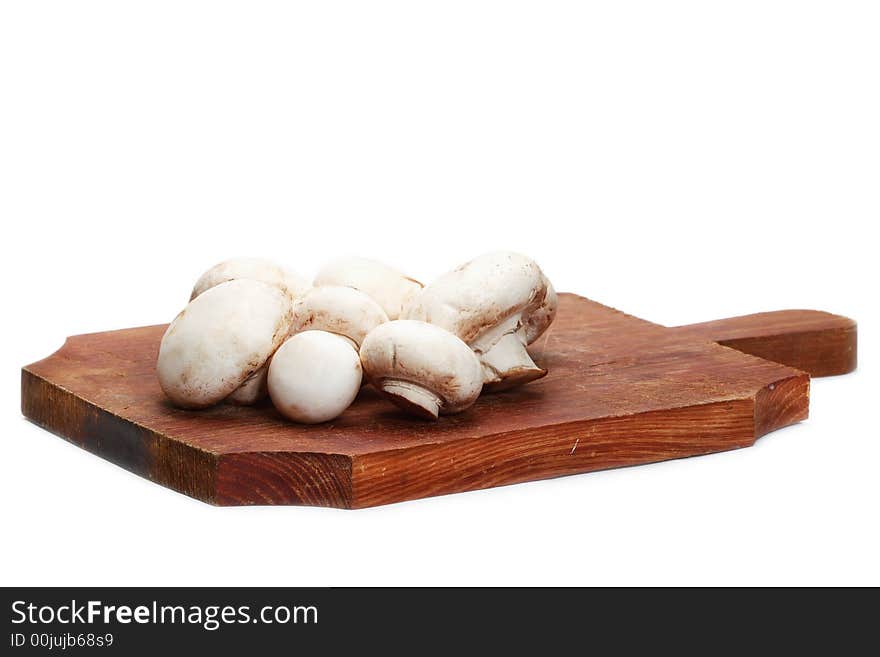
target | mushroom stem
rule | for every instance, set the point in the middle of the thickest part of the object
(507, 363)
(412, 398)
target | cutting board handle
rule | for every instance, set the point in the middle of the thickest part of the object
(813, 341)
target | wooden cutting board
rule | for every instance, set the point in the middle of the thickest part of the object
(621, 391)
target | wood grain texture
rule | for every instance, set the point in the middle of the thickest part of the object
(621, 391)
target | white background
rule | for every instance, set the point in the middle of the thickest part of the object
(682, 161)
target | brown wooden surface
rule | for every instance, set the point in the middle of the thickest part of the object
(621, 391)
(816, 342)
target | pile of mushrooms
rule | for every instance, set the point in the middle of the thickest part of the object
(253, 329)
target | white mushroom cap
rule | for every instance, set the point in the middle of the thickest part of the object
(541, 318)
(422, 368)
(314, 376)
(486, 302)
(387, 286)
(222, 337)
(257, 269)
(341, 310)
(296, 283)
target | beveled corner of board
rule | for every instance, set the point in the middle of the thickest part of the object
(781, 403)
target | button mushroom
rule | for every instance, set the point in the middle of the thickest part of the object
(537, 318)
(387, 286)
(296, 389)
(257, 269)
(314, 376)
(220, 339)
(342, 310)
(422, 368)
(495, 303)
